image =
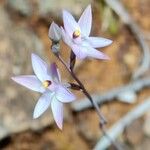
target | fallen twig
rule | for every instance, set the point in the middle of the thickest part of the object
(127, 19)
(134, 86)
(118, 127)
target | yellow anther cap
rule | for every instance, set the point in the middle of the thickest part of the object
(46, 83)
(76, 33)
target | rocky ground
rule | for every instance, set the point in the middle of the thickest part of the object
(23, 30)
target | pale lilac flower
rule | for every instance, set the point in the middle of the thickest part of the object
(76, 35)
(48, 82)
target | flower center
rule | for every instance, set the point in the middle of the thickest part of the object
(76, 33)
(46, 83)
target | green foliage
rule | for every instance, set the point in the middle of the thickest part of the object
(110, 21)
(113, 25)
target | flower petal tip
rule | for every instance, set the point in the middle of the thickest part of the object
(110, 42)
(73, 97)
(35, 115)
(107, 57)
(13, 78)
(33, 55)
(53, 23)
(60, 126)
(104, 57)
(65, 13)
(89, 6)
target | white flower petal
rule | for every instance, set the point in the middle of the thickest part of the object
(91, 52)
(66, 38)
(97, 42)
(69, 23)
(55, 72)
(42, 104)
(64, 95)
(85, 21)
(57, 110)
(79, 51)
(29, 81)
(40, 68)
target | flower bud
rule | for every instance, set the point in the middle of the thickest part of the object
(55, 48)
(54, 32)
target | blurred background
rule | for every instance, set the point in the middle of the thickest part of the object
(24, 28)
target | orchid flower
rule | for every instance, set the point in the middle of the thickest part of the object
(76, 35)
(48, 82)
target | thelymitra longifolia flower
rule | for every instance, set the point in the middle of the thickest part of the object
(48, 82)
(76, 35)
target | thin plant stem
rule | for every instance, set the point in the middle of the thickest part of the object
(95, 105)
